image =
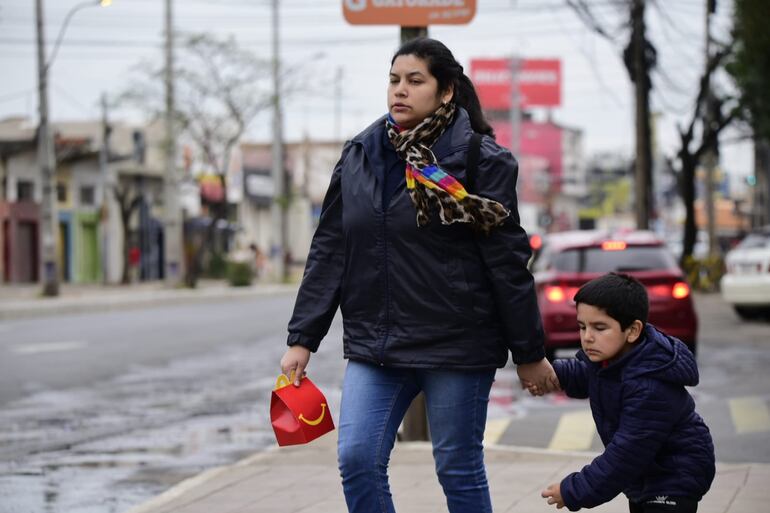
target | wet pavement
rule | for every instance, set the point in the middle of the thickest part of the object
(113, 445)
(110, 446)
(118, 442)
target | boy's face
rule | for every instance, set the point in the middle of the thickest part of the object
(600, 335)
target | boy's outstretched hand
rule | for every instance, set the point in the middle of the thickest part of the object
(538, 378)
(553, 494)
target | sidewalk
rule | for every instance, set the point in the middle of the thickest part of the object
(25, 301)
(304, 479)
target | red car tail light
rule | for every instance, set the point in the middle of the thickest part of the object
(660, 290)
(559, 293)
(555, 294)
(680, 290)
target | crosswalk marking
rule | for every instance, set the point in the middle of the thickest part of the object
(575, 432)
(494, 430)
(750, 415)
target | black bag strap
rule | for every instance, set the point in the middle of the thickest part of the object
(472, 161)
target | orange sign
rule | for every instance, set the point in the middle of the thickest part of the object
(409, 13)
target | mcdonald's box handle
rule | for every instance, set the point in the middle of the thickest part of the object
(298, 414)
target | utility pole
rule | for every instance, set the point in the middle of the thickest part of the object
(415, 424)
(338, 104)
(761, 202)
(49, 225)
(643, 174)
(515, 65)
(280, 196)
(408, 33)
(709, 158)
(106, 185)
(172, 236)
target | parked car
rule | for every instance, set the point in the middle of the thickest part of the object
(746, 285)
(567, 260)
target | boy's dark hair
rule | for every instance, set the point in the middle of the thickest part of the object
(620, 295)
(449, 73)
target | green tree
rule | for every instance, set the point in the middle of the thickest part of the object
(750, 67)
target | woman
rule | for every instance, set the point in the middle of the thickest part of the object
(431, 280)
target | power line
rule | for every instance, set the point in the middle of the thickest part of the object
(72, 100)
(305, 13)
(95, 43)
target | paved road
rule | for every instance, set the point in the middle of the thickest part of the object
(102, 411)
(61, 352)
(124, 404)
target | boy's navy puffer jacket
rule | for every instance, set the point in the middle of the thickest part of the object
(655, 442)
(421, 297)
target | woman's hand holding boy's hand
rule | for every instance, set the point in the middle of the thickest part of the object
(295, 360)
(532, 388)
(538, 377)
(553, 494)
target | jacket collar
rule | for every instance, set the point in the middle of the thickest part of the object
(454, 138)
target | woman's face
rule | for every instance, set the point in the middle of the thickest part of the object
(413, 92)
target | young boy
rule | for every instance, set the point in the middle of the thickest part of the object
(658, 451)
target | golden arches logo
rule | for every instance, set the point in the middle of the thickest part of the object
(281, 382)
(316, 421)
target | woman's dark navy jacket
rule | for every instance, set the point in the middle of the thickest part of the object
(429, 297)
(655, 442)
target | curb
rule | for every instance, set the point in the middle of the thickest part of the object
(27, 309)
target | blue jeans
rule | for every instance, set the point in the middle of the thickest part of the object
(374, 401)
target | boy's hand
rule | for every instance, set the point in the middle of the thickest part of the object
(553, 494)
(538, 377)
(532, 388)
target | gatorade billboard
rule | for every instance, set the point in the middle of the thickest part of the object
(539, 82)
(409, 13)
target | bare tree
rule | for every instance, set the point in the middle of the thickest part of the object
(221, 88)
(705, 136)
(127, 206)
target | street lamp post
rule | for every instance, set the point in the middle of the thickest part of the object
(49, 273)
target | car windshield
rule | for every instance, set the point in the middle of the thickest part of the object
(598, 260)
(755, 240)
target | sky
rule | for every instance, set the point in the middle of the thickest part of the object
(102, 46)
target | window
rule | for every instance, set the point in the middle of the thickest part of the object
(597, 260)
(755, 240)
(25, 190)
(61, 192)
(87, 196)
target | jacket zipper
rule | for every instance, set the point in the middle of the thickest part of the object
(381, 352)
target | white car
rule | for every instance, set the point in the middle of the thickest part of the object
(746, 285)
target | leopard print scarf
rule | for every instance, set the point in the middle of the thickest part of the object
(432, 189)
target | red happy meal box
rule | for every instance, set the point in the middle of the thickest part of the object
(298, 414)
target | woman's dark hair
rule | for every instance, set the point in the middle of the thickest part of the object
(622, 296)
(449, 74)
